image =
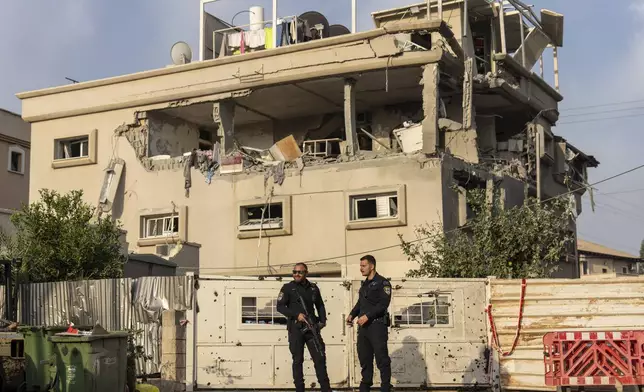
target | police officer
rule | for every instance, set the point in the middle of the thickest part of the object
(373, 321)
(304, 326)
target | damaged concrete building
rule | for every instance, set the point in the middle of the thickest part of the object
(320, 147)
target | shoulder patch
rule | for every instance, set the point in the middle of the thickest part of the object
(387, 289)
(280, 296)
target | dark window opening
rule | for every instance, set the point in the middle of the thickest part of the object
(16, 161)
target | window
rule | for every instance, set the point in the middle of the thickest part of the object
(269, 219)
(624, 270)
(374, 207)
(160, 226)
(584, 266)
(256, 310)
(604, 270)
(16, 161)
(258, 217)
(411, 311)
(76, 150)
(73, 148)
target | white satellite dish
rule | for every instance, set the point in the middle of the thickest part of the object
(181, 53)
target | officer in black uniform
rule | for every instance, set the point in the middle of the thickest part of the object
(373, 321)
(304, 326)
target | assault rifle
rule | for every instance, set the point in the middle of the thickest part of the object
(310, 325)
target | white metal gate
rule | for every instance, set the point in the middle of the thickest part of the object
(438, 335)
(239, 341)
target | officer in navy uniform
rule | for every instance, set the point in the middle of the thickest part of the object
(373, 321)
(299, 333)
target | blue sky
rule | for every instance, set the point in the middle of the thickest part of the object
(601, 63)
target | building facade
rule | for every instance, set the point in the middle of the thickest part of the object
(599, 260)
(322, 149)
(15, 145)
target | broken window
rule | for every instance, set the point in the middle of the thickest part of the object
(384, 206)
(415, 310)
(263, 216)
(72, 148)
(259, 310)
(160, 226)
(16, 160)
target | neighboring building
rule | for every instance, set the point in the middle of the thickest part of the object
(203, 162)
(15, 145)
(595, 259)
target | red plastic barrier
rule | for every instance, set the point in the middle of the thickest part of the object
(594, 358)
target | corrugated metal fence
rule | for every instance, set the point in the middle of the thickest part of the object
(558, 305)
(116, 304)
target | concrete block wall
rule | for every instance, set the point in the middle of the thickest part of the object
(173, 350)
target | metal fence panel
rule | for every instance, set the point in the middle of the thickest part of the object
(558, 305)
(115, 304)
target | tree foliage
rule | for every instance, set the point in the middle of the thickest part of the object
(523, 241)
(58, 238)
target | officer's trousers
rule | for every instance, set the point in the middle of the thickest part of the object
(296, 342)
(372, 341)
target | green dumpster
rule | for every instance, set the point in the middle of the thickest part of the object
(39, 355)
(90, 363)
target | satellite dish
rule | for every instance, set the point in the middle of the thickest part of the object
(181, 53)
(314, 26)
(337, 29)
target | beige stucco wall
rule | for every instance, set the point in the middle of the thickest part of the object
(319, 204)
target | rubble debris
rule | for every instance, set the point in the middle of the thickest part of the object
(277, 172)
(449, 125)
(187, 170)
(110, 185)
(374, 139)
(410, 138)
(286, 150)
(232, 164)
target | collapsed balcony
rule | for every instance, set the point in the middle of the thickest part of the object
(293, 124)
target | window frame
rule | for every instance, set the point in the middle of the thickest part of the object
(255, 326)
(450, 314)
(351, 197)
(88, 159)
(267, 229)
(23, 157)
(180, 235)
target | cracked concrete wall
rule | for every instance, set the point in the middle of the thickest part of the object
(257, 135)
(171, 136)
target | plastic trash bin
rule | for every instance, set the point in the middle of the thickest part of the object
(39, 355)
(90, 363)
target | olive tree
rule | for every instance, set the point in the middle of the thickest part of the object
(59, 238)
(528, 240)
